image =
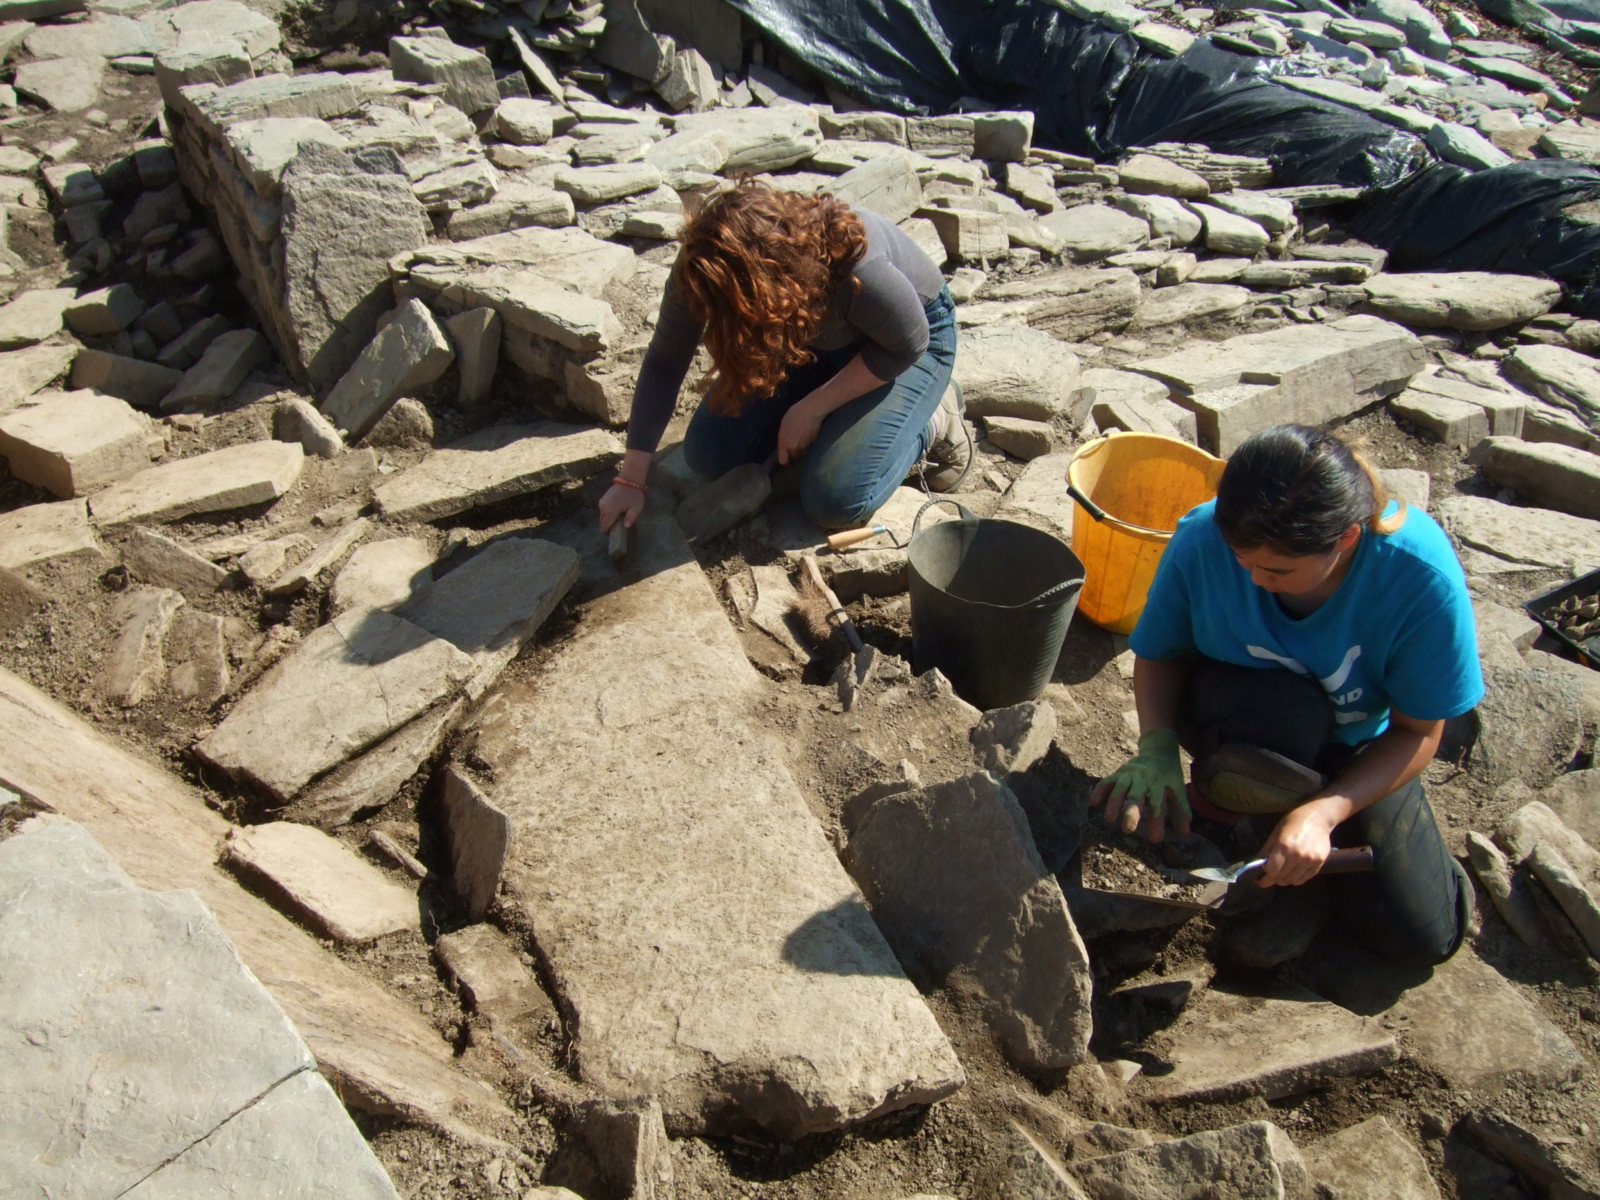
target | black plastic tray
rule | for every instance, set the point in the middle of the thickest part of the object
(1541, 608)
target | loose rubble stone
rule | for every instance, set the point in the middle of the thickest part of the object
(786, 934)
(1465, 147)
(235, 477)
(196, 654)
(1515, 905)
(1095, 231)
(72, 443)
(227, 361)
(1227, 233)
(24, 373)
(526, 122)
(1227, 1045)
(1272, 213)
(1166, 217)
(410, 352)
(1576, 899)
(374, 778)
(30, 317)
(104, 312)
(615, 1148)
(1191, 302)
(967, 235)
(1521, 536)
(1541, 1157)
(139, 383)
(1013, 739)
(1543, 473)
(161, 561)
(1371, 1161)
(1019, 437)
(323, 883)
(492, 465)
(1560, 376)
(1074, 303)
(1308, 374)
(475, 335)
(492, 976)
(1004, 926)
(131, 981)
(1575, 798)
(759, 139)
(135, 666)
(1514, 698)
(466, 75)
(221, 63)
(1015, 371)
(297, 420)
(478, 836)
(1476, 300)
(40, 533)
(1505, 410)
(1151, 175)
(1453, 422)
(348, 685)
(886, 184)
(1577, 144)
(328, 552)
(388, 1057)
(1256, 1161)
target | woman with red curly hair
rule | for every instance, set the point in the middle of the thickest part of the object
(831, 338)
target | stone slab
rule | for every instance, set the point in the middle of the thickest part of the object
(348, 685)
(159, 560)
(73, 443)
(479, 838)
(327, 552)
(410, 352)
(40, 533)
(1562, 377)
(1227, 1045)
(495, 464)
(382, 574)
(120, 988)
(24, 373)
(376, 777)
(320, 881)
(763, 995)
(1254, 1161)
(496, 981)
(384, 1056)
(1015, 371)
(957, 886)
(140, 383)
(227, 361)
(1472, 300)
(1526, 537)
(63, 84)
(1372, 1161)
(234, 477)
(1543, 473)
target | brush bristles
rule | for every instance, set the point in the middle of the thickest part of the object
(814, 609)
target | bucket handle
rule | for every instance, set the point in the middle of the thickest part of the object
(968, 517)
(1089, 506)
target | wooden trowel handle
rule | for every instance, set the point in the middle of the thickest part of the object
(851, 537)
(1349, 861)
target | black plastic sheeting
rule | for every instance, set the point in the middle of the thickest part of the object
(1099, 93)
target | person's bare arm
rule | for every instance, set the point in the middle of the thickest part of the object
(1303, 838)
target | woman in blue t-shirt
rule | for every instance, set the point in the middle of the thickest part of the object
(1306, 640)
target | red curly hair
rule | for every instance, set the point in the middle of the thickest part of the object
(759, 267)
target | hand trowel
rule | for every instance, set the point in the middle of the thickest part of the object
(726, 501)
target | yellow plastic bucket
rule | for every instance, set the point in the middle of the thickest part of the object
(1131, 488)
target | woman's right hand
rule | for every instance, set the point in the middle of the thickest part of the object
(620, 503)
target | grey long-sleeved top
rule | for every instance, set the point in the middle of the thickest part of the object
(885, 315)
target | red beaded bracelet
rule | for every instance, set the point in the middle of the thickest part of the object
(638, 487)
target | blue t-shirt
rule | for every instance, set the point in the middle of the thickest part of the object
(1398, 632)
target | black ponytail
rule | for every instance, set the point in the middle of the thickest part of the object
(1295, 490)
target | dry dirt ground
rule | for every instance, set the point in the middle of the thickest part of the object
(957, 1147)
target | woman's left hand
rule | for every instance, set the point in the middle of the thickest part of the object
(1298, 847)
(800, 427)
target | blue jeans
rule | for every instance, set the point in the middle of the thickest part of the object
(865, 448)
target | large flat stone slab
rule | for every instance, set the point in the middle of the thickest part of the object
(72, 443)
(234, 477)
(321, 881)
(384, 1055)
(1303, 373)
(1227, 1045)
(693, 916)
(137, 1032)
(1372, 1161)
(495, 464)
(43, 532)
(957, 886)
(1562, 377)
(1475, 300)
(1544, 473)
(1521, 537)
(348, 685)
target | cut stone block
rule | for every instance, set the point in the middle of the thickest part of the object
(479, 837)
(466, 76)
(1372, 1161)
(1255, 1161)
(1227, 1046)
(1002, 925)
(1015, 371)
(221, 63)
(1020, 437)
(1228, 233)
(135, 666)
(72, 443)
(30, 317)
(382, 574)
(410, 352)
(1304, 373)
(1453, 422)
(386, 1055)
(234, 477)
(102, 313)
(220, 371)
(134, 380)
(526, 122)
(969, 236)
(1474, 300)
(131, 982)
(166, 563)
(348, 685)
(1505, 410)
(41, 533)
(321, 881)
(779, 1004)
(492, 465)
(1543, 473)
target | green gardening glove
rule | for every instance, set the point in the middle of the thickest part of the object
(1150, 782)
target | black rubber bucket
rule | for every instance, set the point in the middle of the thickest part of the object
(990, 604)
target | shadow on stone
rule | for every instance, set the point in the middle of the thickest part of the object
(833, 942)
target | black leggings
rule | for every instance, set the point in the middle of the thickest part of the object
(1415, 906)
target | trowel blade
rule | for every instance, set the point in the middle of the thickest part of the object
(724, 502)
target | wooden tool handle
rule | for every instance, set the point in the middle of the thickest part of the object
(851, 537)
(809, 568)
(1349, 861)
